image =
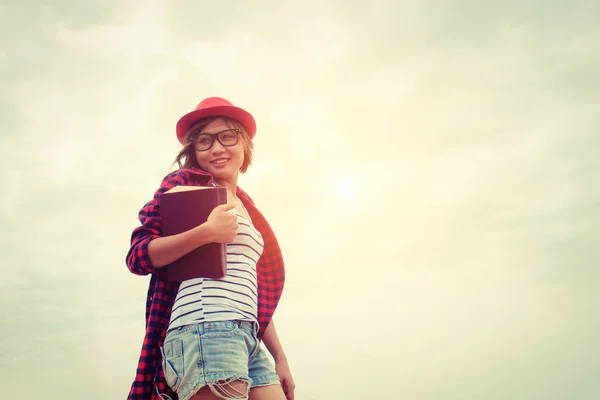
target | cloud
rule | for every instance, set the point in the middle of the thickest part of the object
(465, 265)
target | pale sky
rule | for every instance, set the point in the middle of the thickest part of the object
(430, 170)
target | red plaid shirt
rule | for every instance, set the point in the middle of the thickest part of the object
(149, 379)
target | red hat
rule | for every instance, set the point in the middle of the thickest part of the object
(215, 107)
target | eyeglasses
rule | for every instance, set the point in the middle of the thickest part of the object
(204, 141)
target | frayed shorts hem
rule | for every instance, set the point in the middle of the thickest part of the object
(265, 380)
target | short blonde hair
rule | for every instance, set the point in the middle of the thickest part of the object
(187, 155)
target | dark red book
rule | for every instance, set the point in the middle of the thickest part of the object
(183, 208)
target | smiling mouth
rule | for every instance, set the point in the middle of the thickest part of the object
(219, 161)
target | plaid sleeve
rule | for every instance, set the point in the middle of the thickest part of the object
(138, 259)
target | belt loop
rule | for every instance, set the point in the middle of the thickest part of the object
(241, 324)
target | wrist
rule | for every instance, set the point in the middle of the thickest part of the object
(204, 234)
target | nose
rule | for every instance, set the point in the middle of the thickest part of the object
(217, 147)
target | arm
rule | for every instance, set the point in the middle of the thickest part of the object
(149, 250)
(164, 250)
(155, 251)
(271, 340)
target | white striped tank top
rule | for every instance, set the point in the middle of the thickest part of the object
(234, 296)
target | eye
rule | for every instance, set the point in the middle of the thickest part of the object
(203, 140)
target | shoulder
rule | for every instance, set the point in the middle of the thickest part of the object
(173, 178)
(170, 180)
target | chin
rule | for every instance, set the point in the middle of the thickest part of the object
(224, 174)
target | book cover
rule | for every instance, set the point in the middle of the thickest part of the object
(183, 208)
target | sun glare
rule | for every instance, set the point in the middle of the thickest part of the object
(345, 187)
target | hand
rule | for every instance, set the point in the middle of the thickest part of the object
(222, 224)
(285, 376)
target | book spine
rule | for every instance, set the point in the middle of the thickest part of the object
(222, 199)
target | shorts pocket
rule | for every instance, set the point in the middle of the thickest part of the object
(172, 363)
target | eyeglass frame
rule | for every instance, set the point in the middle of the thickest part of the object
(214, 136)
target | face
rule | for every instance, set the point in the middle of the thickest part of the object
(222, 162)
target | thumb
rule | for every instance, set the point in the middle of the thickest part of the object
(227, 206)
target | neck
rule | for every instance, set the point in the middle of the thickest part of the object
(229, 184)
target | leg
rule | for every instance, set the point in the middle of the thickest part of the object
(264, 378)
(223, 390)
(270, 392)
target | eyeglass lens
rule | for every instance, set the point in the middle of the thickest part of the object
(227, 138)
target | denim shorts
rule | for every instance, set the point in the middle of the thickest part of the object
(209, 353)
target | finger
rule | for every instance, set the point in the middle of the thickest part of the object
(287, 390)
(284, 387)
(227, 206)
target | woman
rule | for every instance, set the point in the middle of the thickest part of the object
(202, 335)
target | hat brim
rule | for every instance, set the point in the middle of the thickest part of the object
(239, 114)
